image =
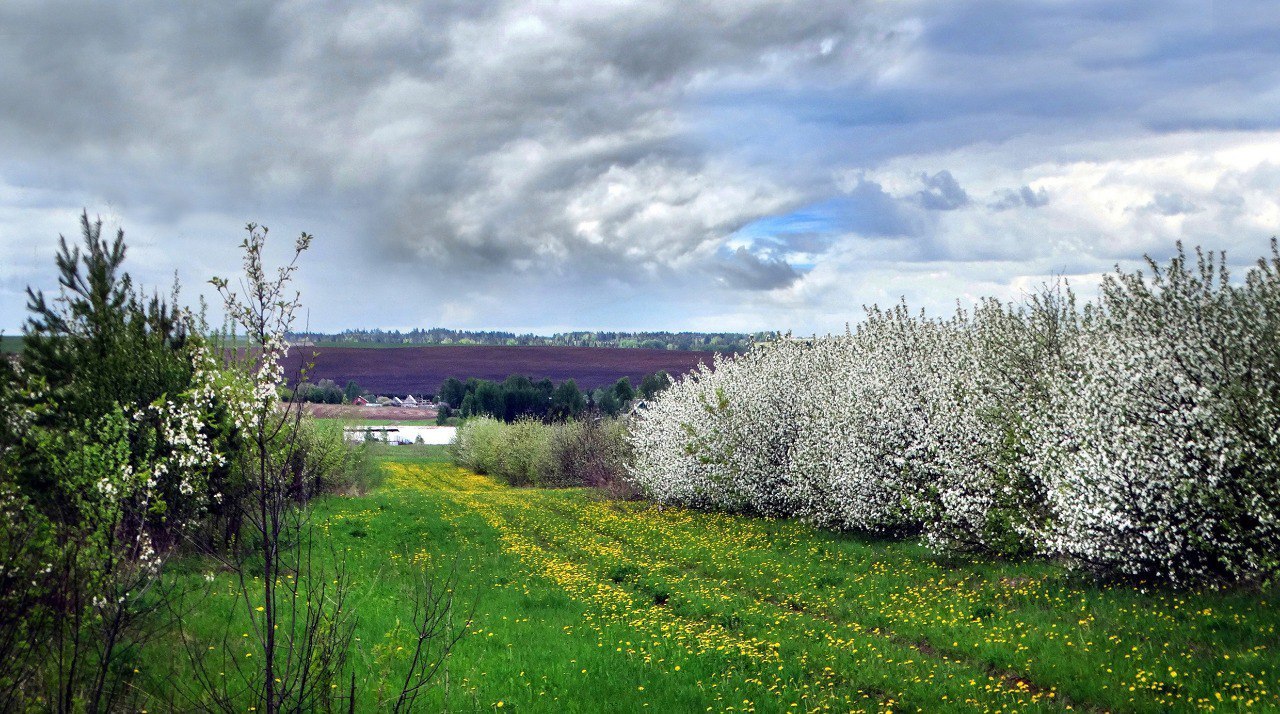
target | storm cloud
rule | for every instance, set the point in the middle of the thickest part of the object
(640, 165)
(482, 136)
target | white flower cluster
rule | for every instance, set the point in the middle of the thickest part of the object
(1139, 436)
(185, 453)
(269, 374)
(1162, 454)
(266, 312)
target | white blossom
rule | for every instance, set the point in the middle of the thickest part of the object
(1138, 436)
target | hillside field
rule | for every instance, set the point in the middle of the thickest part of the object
(586, 604)
(421, 370)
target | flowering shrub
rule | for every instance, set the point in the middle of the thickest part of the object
(80, 561)
(1137, 436)
(109, 436)
(872, 450)
(1003, 361)
(1162, 458)
(724, 434)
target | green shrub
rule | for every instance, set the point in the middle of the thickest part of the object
(531, 453)
(591, 453)
(565, 440)
(359, 472)
(479, 440)
(524, 456)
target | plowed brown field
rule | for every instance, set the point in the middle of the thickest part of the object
(421, 370)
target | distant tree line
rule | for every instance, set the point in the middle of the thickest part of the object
(515, 397)
(519, 397)
(326, 391)
(694, 341)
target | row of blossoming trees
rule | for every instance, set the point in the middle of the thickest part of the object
(1135, 436)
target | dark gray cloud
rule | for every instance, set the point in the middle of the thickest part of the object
(1026, 196)
(1033, 199)
(741, 268)
(870, 210)
(942, 192)
(477, 136)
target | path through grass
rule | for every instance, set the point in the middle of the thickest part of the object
(593, 605)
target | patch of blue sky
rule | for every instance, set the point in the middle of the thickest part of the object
(819, 217)
(806, 230)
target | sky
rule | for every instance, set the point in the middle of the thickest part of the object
(731, 165)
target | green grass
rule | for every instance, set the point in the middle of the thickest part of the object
(588, 605)
(10, 344)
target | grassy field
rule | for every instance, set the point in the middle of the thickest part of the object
(584, 604)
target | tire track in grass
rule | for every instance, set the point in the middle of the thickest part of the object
(1013, 681)
(791, 607)
(609, 606)
(1107, 649)
(620, 609)
(942, 603)
(440, 488)
(844, 685)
